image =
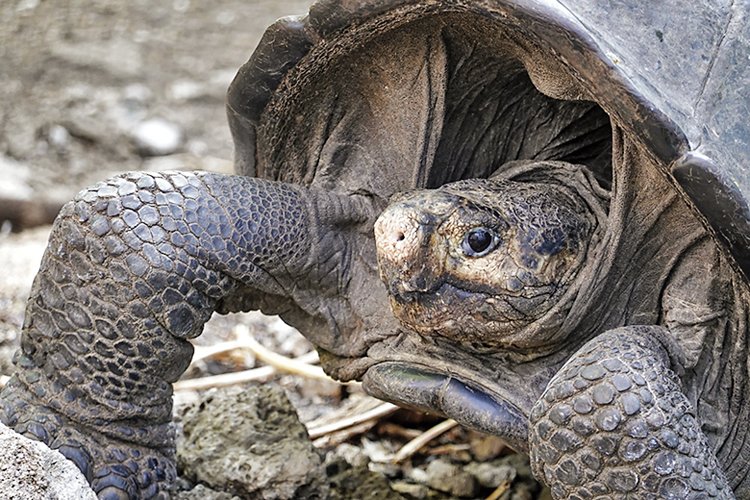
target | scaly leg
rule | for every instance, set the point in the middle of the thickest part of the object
(614, 423)
(135, 266)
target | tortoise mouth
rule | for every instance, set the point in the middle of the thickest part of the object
(426, 389)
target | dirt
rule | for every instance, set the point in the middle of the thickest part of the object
(79, 82)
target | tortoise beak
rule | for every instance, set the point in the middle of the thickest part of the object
(402, 235)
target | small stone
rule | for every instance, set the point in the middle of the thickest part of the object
(16, 177)
(411, 489)
(491, 474)
(352, 454)
(58, 136)
(156, 137)
(449, 478)
(202, 492)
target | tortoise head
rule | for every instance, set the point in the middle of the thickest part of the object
(478, 261)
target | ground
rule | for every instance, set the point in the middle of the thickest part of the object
(93, 88)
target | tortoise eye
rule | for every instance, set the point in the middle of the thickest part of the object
(479, 241)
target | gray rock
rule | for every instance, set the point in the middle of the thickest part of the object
(201, 492)
(352, 454)
(347, 482)
(58, 136)
(119, 58)
(491, 474)
(249, 442)
(156, 137)
(28, 469)
(411, 489)
(450, 478)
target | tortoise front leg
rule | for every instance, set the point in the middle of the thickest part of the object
(135, 266)
(614, 423)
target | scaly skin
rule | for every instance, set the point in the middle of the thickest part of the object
(135, 266)
(614, 422)
(498, 266)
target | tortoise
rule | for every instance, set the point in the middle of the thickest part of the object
(529, 216)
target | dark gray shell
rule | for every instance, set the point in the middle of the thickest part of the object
(346, 97)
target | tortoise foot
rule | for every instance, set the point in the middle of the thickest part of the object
(614, 422)
(114, 467)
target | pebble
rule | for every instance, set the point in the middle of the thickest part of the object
(156, 137)
(491, 474)
(58, 136)
(250, 438)
(352, 454)
(411, 489)
(452, 479)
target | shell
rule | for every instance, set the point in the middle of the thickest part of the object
(375, 95)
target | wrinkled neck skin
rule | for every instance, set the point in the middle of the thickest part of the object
(631, 274)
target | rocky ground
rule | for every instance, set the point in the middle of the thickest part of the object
(92, 88)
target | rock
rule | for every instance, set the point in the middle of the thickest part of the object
(491, 474)
(450, 478)
(156, 137)
(348, 482)
(249, 442)
(352, 454)
(58, 136)
(118, 57)
(28, 469)
(411, 489)
(202, 492)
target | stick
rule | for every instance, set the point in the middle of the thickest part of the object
(375, 413)
(418, 442)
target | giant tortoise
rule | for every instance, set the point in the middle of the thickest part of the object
(528, 215)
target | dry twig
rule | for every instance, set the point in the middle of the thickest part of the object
(277, 362)
(499, 491)
(418, 442)
(338, 437)
(379, 411)
(227, 379)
